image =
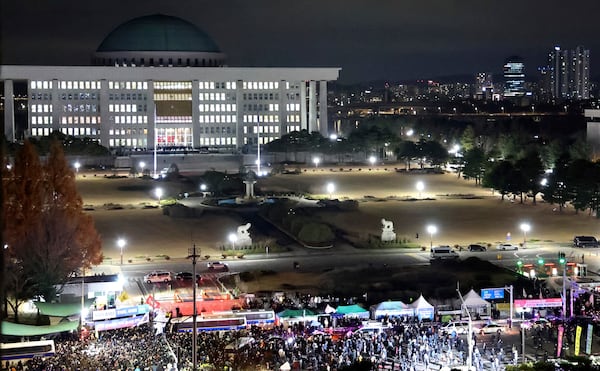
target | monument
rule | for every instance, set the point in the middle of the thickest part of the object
(387, 231)
(249, 181)
(243, 236)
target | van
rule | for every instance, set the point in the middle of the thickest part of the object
(158, 277)
(442, 253)
(585, 241)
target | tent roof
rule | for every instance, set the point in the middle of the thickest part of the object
(61, 309)
(420, 303)
(17, 329)
(350, 309)
(288, 313)
(472, 299)
(390, 305)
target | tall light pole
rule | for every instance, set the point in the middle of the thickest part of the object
(470, 327)
(525, 227)
(77, 166)
(121, 243)
(159, 193)
(330, 189)
(431, 229)
(420, 187)
(316, 161)
(194, 255)
(233, 239)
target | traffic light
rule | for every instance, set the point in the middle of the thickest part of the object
(561, 258)
(519, 263)
(541, 261)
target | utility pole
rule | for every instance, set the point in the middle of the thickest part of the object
(470, 335)
(194, 255)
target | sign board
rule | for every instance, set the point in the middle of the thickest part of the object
(495, 293)
(538, 303)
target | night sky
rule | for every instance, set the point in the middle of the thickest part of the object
(369, 39)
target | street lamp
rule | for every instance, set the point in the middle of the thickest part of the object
(159, 193)
(232, 238)
(121, 243)
(316, 160)
(431, 229)
(525, 227)
(420, 187)
(330, 189)
(142, 166)
(77, 166)
(372, 160)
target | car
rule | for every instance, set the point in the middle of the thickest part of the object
(460, 327)
(490, 328)
(158, 277)
(476, 247)
(535, 323)
(507, 246)
(585, 241)
(218, 266)
(442, 253)
(187, 276)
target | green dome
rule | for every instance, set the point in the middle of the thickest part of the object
(158, 33)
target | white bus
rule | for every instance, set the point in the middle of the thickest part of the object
(26, 350)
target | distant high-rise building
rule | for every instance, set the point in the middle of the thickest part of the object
(581, 73)
(569, 73)
(484, 85)
(514, 77)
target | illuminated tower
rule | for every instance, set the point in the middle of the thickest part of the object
(514, 77)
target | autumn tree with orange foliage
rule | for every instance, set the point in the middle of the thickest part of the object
(49, 236)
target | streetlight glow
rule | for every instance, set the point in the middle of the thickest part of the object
(233, 239)
(372, 160)
(420, 187)
(142, 166)
(525, 227)
(159, 193)
(431, 229)
(330, 189)
(316, 161)
(121, 242)
(77, 166)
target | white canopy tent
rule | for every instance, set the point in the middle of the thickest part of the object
(422, 308)
(391, 309)
(476, 305)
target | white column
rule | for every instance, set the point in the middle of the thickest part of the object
(312, 106)
(195, 114)
(239, 126)
(323, 125)
(9, 110)
(303, 110)
(283, 123)
(105, 123)
(56, 106)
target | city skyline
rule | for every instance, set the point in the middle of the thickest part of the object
(390, 41)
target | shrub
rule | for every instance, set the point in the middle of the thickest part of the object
(316, 233)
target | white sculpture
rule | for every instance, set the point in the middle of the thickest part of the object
(387, 230)
(243, 236)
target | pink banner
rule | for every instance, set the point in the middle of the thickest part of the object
(561, 331)
(538, 303)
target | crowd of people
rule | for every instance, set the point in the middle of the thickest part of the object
(402, 344)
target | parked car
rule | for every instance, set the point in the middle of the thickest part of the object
(187, 277)
(158, 277)
(442, 252)
(218, 266)
(491, 328)
(476, 247)
(585, 241)
(507, 246)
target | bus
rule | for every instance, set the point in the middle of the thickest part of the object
(215, 323)
(256, 317)
(26, 350)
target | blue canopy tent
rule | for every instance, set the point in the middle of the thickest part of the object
(391, 309)
(423, 310)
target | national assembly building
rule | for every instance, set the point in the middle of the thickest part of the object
(158, 82)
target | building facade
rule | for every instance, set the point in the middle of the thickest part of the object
(160, 82)
(514, 77)
(570, 73)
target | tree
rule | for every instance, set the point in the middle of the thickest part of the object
(474, 164)
(501, 177)
(407, 151)
(48, 235)
(435, 152)
(532, 169)
(467, 140)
